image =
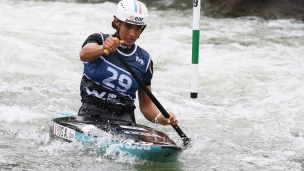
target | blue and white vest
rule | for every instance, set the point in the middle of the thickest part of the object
(107, 81)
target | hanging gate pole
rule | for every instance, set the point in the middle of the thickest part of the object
(195, 47)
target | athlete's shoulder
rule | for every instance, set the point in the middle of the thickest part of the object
(143, 52)
(148, 67)
(98, 38)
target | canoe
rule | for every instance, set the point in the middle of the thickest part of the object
(129, 140)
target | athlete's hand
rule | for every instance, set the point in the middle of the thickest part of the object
(170, 121)
(110, 44)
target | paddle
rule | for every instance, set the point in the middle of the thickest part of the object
(186, 140)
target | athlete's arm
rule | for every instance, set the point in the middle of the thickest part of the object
(149, 110)
(92, 51)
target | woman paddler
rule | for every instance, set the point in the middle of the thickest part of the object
(107, 89)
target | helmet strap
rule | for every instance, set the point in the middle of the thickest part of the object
(142, 30)
(117, 31)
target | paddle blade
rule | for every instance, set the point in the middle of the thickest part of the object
(186, 140)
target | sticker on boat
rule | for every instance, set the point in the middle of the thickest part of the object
(131, 144)
(64, 132)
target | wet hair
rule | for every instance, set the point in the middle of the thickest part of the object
(114, 25)
(116, 28)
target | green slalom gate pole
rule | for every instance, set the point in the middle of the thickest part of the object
(195, 47)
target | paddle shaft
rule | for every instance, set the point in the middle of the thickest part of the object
(185, 139)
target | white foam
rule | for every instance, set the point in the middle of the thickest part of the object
(23, 114)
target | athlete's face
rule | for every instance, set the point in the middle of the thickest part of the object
(129, 32)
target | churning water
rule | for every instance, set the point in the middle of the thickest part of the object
(249, 114)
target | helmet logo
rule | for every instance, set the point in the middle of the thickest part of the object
(138, 19)
(135, 20)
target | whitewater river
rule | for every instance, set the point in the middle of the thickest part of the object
(249, 114)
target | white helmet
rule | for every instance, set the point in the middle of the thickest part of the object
(132, 11)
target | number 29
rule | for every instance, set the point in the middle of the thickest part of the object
(123, 80)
